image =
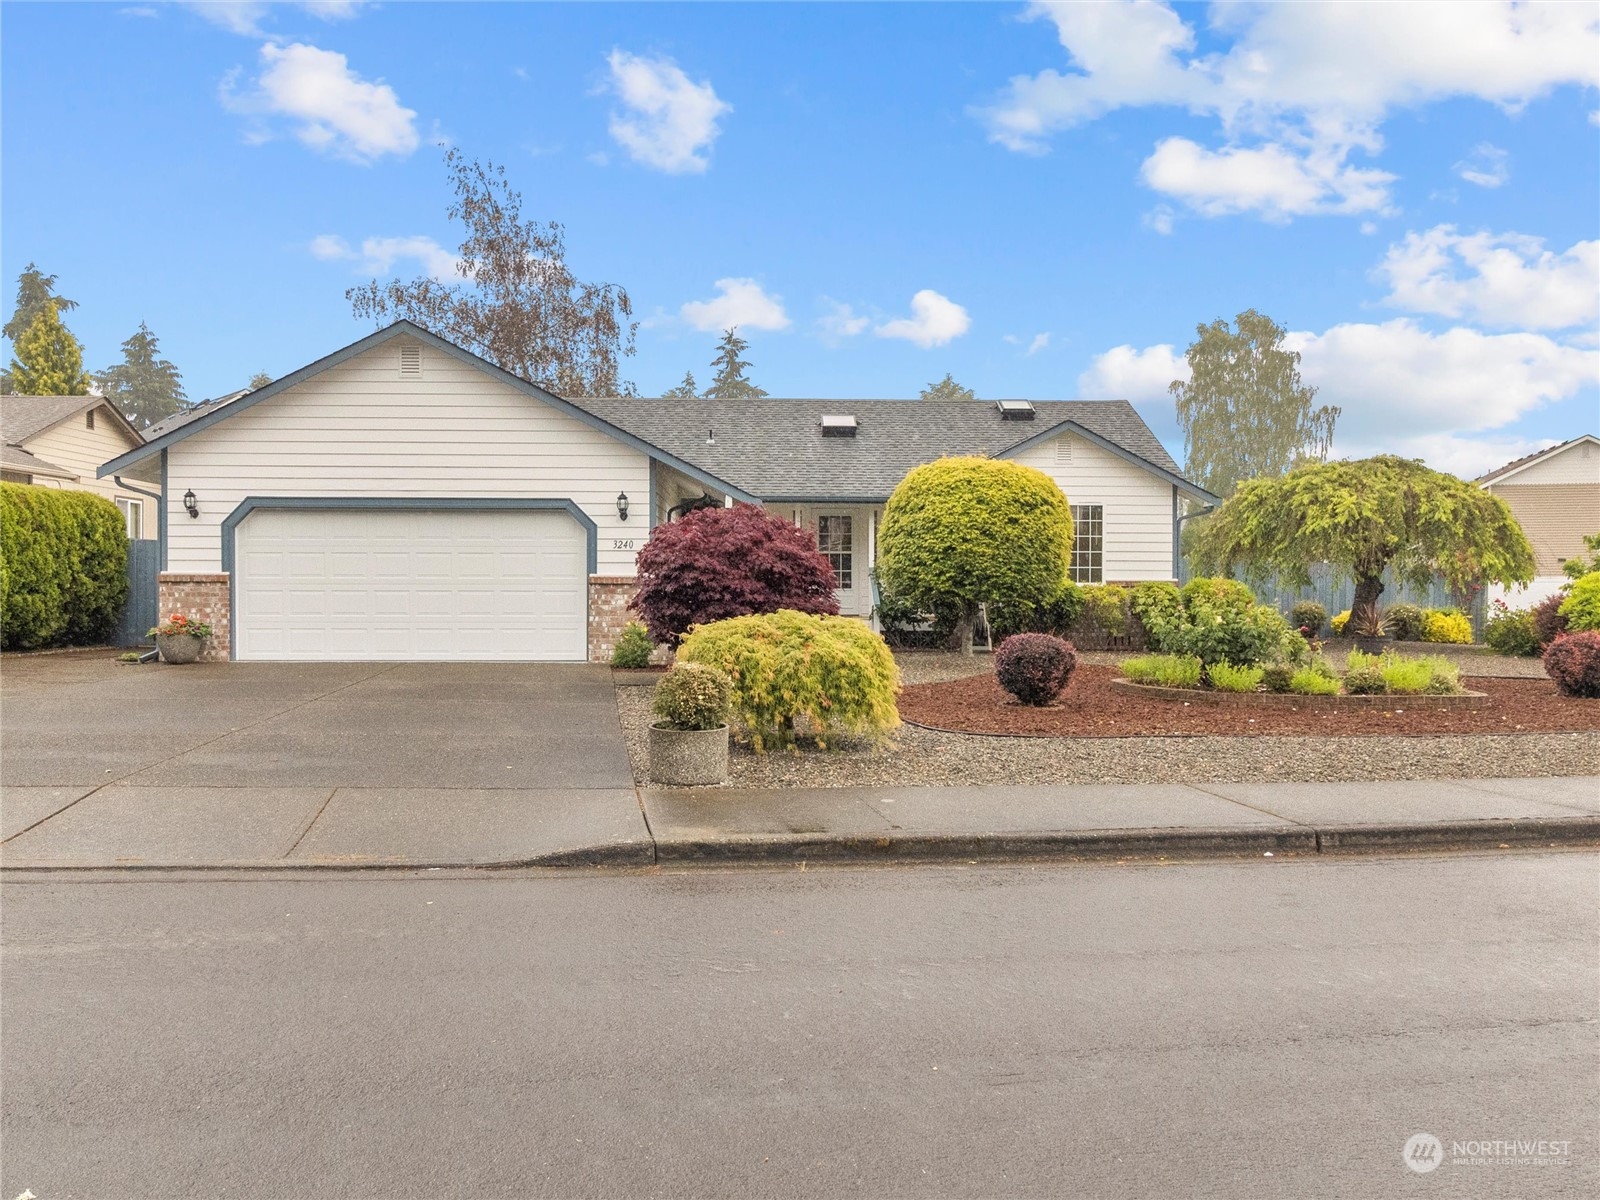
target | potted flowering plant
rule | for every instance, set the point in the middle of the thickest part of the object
(179, 639)
(689, 744)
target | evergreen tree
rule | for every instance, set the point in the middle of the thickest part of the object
(47, 360)
(947, 389)
(35, 292)
(687, 390)
(144, 386)
(259, 380)
(1244, 411)
(730, 382)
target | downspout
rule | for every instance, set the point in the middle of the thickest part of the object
(1177, 532)
(124, 484)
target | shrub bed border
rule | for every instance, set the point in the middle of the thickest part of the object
(1293, 700)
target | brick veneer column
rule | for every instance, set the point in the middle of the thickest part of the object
(608, 612)
(203, 598)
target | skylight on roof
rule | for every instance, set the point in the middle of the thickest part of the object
(1015, 410)
(838, 425)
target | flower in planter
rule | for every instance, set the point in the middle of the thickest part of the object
(178, 624)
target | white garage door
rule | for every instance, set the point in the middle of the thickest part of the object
(410, 585)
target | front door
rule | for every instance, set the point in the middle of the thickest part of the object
(836, 538)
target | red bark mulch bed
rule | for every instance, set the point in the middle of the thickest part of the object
(1091, 708)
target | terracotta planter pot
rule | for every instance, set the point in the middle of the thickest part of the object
(688, 757)
(179, 647)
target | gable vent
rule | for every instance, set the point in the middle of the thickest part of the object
(838, 425)
(1016, 410)
(1064, 450)
(410, 361)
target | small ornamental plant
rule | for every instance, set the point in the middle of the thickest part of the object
(1309, 681)
(1581, 608)
(1446, 626)
(1164, 670)
(633, 648)
(178, 625)
(1573, 661)
(1225, 677)
(1308, 617)
(693, 696)
(1549, 622)
(1034, 667)
(1275, 677)
(1510, 631)
(1408, 622)
(1365, 681)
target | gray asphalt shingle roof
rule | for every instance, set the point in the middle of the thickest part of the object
(773, 448)
(15, 458)
(21, 417)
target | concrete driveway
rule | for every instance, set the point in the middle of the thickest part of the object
(359, 762)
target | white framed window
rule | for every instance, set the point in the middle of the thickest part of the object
(1088, 543)
(132, 516)
(835, 540)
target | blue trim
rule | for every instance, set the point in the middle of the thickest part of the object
(651, 519)
(408, 329)
(250, 504)
(1122, 452)
(161, 519)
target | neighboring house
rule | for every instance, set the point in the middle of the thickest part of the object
(60, 442)
(1555, 496)
(405, 499)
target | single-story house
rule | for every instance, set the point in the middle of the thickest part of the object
(60, 442)
(403, 498)
(1555, 496)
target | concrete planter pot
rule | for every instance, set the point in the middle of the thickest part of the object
(179, 647)
(1373, 645)
(688, 757)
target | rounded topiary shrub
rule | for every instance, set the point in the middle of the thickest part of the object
(718, 563)
(1581, 608)
(1034, 667)
(1573, 661)
(960, 532)
(834, 672)
(1408, 622)
(693, 696)
(1308, 617)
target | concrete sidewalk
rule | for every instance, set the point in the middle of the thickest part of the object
(121, 826)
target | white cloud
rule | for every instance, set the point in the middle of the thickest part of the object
(1137, 376)
(244, 17)
(742, 303)
(670, 121)
(1159, 219)
(1312, 82)
(934, 321)
(1487, 166)
(334, 110)
(1040, 341)
(841, 321)
(1505, 279)
(378, 255)
(1271, 180)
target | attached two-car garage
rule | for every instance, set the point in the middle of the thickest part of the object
(409, 584)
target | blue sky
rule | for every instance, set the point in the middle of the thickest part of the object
(1043, 201)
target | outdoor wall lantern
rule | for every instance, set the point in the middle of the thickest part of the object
(622, 506)
(189, 504)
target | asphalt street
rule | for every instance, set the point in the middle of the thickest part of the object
(1262, 1028)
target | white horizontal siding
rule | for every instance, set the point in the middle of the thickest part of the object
(359, 429)
(1138, 505)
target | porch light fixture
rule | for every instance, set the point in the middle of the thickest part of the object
(622, 506)
(189, 505)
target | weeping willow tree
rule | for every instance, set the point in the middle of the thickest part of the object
(1365, 517)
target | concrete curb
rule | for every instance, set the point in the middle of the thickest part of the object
(1099, 844)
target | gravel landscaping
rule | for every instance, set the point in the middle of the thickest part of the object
(922, 756)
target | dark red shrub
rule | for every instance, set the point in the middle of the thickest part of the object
(1034, 667)
(728, 562)
(1573, 661)
(1547, 622)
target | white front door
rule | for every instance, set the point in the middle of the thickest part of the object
(840, 537)
(410, 585)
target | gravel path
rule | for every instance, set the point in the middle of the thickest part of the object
(923, 756)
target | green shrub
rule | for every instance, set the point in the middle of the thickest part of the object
(1226, 677)
(834, 671)
(1158, 607)
(1446, 626)
(1104, 615)
(1056, 616)
(1581, 608)
(1445, 677)
(1407, 622)
(63, 567)
(1309, 616)
(692, 696)
(1218, 592)
(1308, 681)
(1275, 677)
(1164, 670)
(633, 648)
(1511, 632)
(961, 532)
(1406, 676)
(1216, 620)
(1338, 622)
(1365, 681)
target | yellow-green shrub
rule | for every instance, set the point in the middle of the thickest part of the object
(1337, 623)
(834, 671)
(1581, 608)
(1441, 625)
